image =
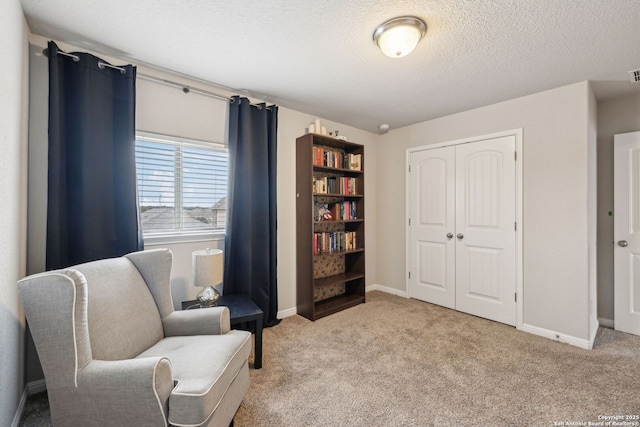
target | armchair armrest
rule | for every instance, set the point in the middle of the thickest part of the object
(206, 321)
(129, 392)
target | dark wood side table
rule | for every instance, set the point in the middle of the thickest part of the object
(243, 311)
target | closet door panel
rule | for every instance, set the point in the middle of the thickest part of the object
(485, 229)
(432, 213)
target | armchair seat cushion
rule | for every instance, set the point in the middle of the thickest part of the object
(202, 376)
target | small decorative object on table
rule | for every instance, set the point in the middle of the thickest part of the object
(207, 273)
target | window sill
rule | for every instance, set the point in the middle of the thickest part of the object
(164, 239)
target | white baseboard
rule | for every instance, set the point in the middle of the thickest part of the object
(287, 312)
(387, 289)
(560, 337)
(33, 387)
(607, 323)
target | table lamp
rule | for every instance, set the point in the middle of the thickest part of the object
(207, 273)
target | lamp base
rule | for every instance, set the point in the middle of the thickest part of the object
(208, 297)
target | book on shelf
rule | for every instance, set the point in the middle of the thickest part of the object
(334, 241)
(355, 162)
(336, 159)
(320, 185)
(343, 211)
(315, 243)
(343, 185)
(339, 211)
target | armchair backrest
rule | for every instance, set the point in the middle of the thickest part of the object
(123, 317)
(102, 310)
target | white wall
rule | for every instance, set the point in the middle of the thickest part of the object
(167, 110)
(13, 193)
(619, 115)
(555, 197)
(38, 159)
(592, 210)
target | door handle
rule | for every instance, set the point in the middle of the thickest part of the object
(460, 236)
(449, 235)
(623, 243)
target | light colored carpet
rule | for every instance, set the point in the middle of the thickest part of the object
(400, 362)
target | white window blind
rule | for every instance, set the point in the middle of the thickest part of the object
(182, 185)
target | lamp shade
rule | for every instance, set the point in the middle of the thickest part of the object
(399, 36)
(207, 267)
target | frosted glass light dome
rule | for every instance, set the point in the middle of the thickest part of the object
(398, 37)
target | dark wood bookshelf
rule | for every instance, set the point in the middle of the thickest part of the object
(331, 281)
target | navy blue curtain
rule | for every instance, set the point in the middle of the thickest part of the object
(92, 210)
(250, 244)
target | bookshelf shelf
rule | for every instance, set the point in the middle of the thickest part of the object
(347, 172)
(338, 278)
(330, 225)
(335, 304)
(338, 221)
(346, 196)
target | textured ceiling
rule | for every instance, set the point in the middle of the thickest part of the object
(318, 56)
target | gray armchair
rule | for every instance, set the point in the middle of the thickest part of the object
(115, 353)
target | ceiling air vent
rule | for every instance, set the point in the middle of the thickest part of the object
(634, 76)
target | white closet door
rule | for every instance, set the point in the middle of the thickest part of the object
(485, 229)
(626, 154)
(462, 240)
(432, 206)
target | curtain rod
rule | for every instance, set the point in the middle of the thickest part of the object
(185, 88)
(189, 89)
(76, 58)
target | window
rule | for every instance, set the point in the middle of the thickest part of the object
(182, 186)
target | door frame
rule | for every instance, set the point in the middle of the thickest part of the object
(517, 133)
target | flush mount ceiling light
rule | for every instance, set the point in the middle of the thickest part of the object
(399, 36)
